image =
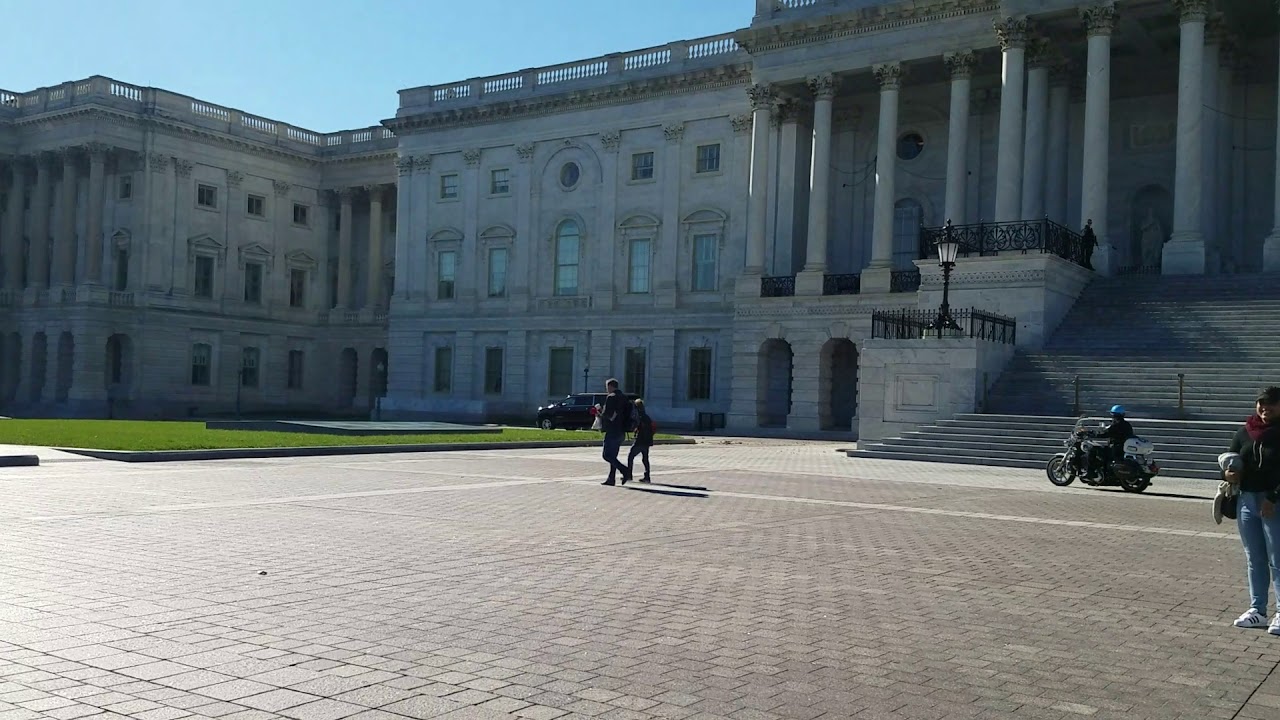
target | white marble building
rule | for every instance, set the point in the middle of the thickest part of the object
(713, 221)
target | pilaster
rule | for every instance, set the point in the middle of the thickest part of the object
(762, 99)
(666, 269)
(404, 227)
(810, 281)
(93, 224)
(523, 253)
(373, 278)
(960, 67)
(64, 229)
(344, 248)
(1012, 33)
(38, 261)
(876, 278)
(603, 296)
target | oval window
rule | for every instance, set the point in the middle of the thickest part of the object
(910, 146)
(569, 175)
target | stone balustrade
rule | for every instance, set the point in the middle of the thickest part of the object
(102, 90)
(616, 67)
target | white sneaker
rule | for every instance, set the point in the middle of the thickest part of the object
(1275, 624)
(1255, 619)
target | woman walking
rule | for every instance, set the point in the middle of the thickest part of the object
(1258, 443)
(643, 441)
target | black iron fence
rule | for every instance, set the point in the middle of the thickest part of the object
(1024, 236)
(904, 281)
(841, 284)
(778, 286)
(911, 324)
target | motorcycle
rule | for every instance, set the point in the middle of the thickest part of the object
(1132, 471)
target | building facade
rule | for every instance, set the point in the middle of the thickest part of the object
(713, 221)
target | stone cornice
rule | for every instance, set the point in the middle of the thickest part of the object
(858, 22)
(696, 81)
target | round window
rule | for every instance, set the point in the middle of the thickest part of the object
(910, 146)
(569, 175)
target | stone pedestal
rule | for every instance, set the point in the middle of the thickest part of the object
(1184, 255)
(810, 282)
(876, 279)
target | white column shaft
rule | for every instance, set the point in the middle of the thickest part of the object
(957, 149)
(13, 228)
(759, 182)
(344, 250)
(64, 247)
(1036, 143)
(886, 168)
(374, 277)
(1095, 169)
(404, 227)
(93, 224)
(1055, 191)
(819, 187)
(1009, 150)
(1188, 181)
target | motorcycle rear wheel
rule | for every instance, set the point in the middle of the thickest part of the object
(1058, 472)
(1136, 484)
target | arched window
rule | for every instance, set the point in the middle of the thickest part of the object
(567, 246)
(907, 215)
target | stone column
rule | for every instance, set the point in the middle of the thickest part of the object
(1036, 139)
(64, 226)
(1271, 246)
(960, 67)
(877, 276)
(13, 226)
(1055, 186)
(344, 249)
(761, 106)
(1095, 171)
(38, 267)
(1012, 32)
(1224, 172)
(1184, 253)
(93, 223)
(1211, 116)
(788, 195)
(404, 219)
(605, 291)
(810, 281)
(374, 277)
(666, 285)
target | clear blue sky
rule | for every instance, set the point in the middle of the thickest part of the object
(329, 65)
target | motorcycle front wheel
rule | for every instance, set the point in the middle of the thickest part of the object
(1058, 472)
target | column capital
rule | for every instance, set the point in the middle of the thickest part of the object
(1012, 31)
(69, 155)
(1098, 19)
(674, 132)
(234, 178)
(788, 111)
(404, 164)
(375, 191)
(182, 167)
(888, 75)
(1191, 11)
(423, 163)
(1215, 30)
(158, 162)
(344, 195)
(959, 64)
(762, 96)
(741, 123)
(524, 153)
(822, 86)
(610, 140)
(97, 151)
(471, 157)
(282, 188)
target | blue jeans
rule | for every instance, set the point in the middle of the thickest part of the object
(612, 444)
(1261, 538)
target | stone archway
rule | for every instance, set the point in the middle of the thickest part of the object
(39, 358)
(774, 382)
(66, 367)
(838, 385)
(348, 376)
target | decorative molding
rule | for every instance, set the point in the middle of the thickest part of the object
(255, 251)
(1190, 11)
(97, 151)
(1011, 31)
(497, 234)
(762, 97)
(822, 86)
(282, 188)
(158, 163)
(1039, 53)
(861, 21)
(471, 157)
(344, 194)
(206, 245)
(121, 239)
(234, 178)
(959, 64)
(446, 235)
(888, 75)
(1098, 19)
(182, 167)
(524, 152)
(788, 112)
(674, 132)
(740, 123)
(610, 140)
(301, 260)
(404, 164)
(422, 163)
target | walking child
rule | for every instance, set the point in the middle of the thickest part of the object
(645, 427)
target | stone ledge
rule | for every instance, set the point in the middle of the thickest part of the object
(133, 456)
(19, 460)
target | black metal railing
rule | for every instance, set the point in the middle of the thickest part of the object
(841, 284)
(778, 286)
(1132, 270)
(904, 281)
(1024, 236)
(911, 324)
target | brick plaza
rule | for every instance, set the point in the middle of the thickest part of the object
(753, 580)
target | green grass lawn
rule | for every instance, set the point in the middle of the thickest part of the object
(143, 435)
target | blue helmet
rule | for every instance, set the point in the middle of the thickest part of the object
(1117, 409)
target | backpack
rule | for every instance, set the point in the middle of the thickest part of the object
(626, 414)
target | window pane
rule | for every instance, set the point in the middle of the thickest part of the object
(444, 370)
(708, 158)
(446, 268)
(497, 272)
(560, 372)
(906, 233)
(493, 371)
(249, 367)
(699, 374)
(567, 241)
(203, 286)
(638, 275)
(633, 377)
(295, 370)
(297, 288)
(704, 262)
(642, 166)
(253, 283)
(200, 357)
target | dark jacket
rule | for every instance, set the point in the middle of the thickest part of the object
(616, 416)
(1118, 431)
(644, 429)
(1261, 463)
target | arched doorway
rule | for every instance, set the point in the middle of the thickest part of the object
(774, 383)
(66, 366)
(348, 369)
(1150, 225)
(908, 215)
(838, 385)
(39, 356)
(119, 351)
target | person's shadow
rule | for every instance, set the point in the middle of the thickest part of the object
(692, 491)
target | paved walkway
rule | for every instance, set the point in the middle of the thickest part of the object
(753, 580)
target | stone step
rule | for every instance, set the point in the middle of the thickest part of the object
(1066, 422)
(1192, 456)
(1037, 464)
(972, 434)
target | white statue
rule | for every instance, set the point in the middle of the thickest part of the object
(1152, 235)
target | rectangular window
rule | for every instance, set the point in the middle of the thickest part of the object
(203, 285)
(207, 196)
(448, 187)
(444, 370)
(497, 272)
(249, 367)
(634, 371)
(124, 187)
(301, 214)
(295, 370)
(201, 357)
(253, 283)
(567, 264)
(560, 372)
(122, 270)
(642, 166)
(699, 374)
(705, 248)
(708, 158)
(493, 371)
(500, 182)
(446, 270)
(256, 205)
(638, 267)
(297, 288)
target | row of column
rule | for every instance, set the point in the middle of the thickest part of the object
(31, 208)
(346, 196)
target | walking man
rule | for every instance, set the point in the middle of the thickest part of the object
(615, 418)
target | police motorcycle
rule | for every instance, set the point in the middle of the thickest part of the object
(1132, 471)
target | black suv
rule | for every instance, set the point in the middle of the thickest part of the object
(574, 411)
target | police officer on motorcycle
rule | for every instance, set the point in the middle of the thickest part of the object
(1116, 432)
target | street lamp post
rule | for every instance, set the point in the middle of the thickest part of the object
(948, 250)
(586, 375)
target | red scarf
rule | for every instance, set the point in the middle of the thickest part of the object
(1262, 433)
